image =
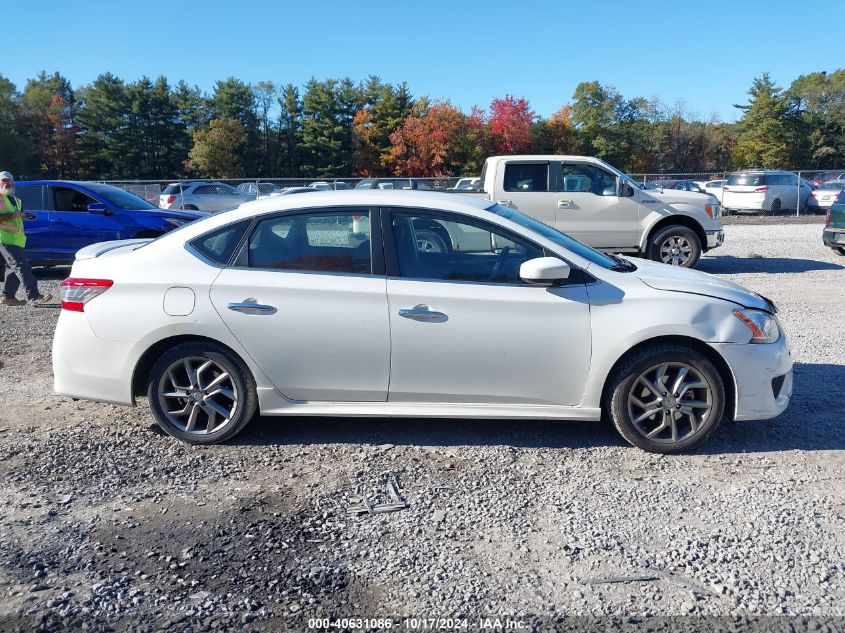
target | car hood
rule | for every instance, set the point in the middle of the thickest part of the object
(670, 196)
(188, 216)
(677, 279)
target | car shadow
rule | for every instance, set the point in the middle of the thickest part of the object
(728, 264)
(52, 273)
(811, 423)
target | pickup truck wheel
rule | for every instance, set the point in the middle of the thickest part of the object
(841, 250)
(675, 245)
(666, 399)
(430, 242)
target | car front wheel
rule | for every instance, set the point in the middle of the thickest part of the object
(201, 393)
(675, 245)
(666, 399)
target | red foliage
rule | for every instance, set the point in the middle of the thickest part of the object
(510, 125)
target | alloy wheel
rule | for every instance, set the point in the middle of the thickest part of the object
(675, 250)
(670, 402)
(197, 395)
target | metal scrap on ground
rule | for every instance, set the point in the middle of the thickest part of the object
(397, 504)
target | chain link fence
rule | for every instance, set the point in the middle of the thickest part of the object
(814, 190)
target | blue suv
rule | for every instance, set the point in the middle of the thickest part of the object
(69, 215)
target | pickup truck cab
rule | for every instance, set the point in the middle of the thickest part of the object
(600, 206)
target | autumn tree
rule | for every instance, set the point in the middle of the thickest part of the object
(18, 152)
(510, 125)
(384, 110)
(554, 135)
(217, 150)
(434, 140)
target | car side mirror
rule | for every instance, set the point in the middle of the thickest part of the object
(626, 190)
(544, 270)
(98, 208)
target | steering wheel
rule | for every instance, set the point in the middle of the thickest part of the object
(500, 261)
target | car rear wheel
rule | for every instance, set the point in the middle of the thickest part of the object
(190, 207)
(201, 393)
(675, 245)
(775, 208)
(841, 250)
(429, 241)
(666, 399)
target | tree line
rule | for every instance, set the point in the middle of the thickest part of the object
(152, 129)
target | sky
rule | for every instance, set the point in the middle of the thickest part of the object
(704, 54)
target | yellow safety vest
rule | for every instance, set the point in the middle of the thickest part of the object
(12, 205)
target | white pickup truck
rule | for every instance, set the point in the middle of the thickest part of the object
(588, 199)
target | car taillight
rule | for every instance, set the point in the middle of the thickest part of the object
(827, 218)
(812, 195)
(77, 292)
(170, 199)
(761, 190)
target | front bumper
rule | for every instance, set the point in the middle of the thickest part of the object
(762, 377)
(715, 238)
(833, 237)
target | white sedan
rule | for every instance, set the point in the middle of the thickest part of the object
(293, 305)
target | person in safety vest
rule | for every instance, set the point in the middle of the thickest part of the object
(14, 266)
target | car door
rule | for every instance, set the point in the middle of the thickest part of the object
(307, 299)
(590, 209)
(37, 230)
(72, 226)
(464, 328)
(525, 185)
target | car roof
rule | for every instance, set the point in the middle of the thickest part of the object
(370, 198)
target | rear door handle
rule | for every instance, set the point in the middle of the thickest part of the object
(251, 307)
(564, 204)
(504, 203)
(421, 312)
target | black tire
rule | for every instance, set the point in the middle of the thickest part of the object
(190, 207)
(841, 250)
(429, 241)
(775, 208)
(625, 378)
(685, 235)
(242, 382)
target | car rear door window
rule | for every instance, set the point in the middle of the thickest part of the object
(31, 197)
(449, 248)
(526, 177)
(327, 242)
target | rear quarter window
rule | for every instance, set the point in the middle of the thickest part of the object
(30, 197)
(219, 245)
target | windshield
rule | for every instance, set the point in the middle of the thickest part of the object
(122, 199)
(561, 239)
(833, 185)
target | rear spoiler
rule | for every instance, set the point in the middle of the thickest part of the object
(101, 248)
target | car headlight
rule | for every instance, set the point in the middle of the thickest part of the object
(712, 210)
(764, 326)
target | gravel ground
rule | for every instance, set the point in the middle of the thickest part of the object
(107, 523)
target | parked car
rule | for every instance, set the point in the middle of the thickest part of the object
(682, 185)
(202, 196)
(714, 188)
(393, 183)
(322, 185)
(597, 204)
(819, 179)
(257, 188)
(69, 215)
(834, 225)
(290, 190)
(764, 191)
(467, 184)
(825, 195)
(279, 309)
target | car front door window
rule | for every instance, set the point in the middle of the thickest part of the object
(67, 199)
(448, 248)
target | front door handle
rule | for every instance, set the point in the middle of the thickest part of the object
(564, 204)
(250, 306)
(422, 312)
(504, 203)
